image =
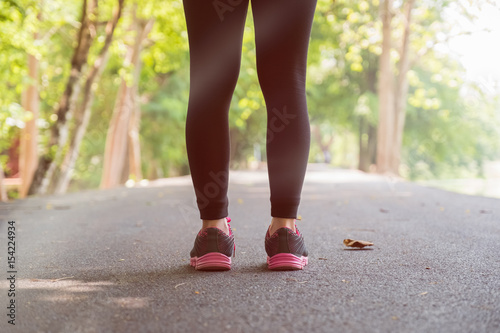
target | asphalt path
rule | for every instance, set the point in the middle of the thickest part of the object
(118, 260)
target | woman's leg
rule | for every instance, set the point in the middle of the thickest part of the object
(215, 32)
(282, 31)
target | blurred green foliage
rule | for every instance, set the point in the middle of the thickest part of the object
(452, 126)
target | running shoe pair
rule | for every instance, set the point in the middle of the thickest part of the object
(213, 249)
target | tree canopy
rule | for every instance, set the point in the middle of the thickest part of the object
(451, 125)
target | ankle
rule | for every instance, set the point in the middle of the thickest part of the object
(219, 223)
(279, 222)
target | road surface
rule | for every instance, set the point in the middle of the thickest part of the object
(118, 260)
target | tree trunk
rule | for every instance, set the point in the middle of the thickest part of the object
(385, 135)
(122, 142)
(372, 146)
(364, 159)
(82, 117)
(367, 145)
(134, 151)
(372, 130)
(59, 130)
(116, 141)
(29, 134)
(3, 190)
(324, 146)
(401, 90)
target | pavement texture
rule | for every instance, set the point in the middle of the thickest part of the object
(118, 260)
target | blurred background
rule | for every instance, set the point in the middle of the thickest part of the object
(94, 93)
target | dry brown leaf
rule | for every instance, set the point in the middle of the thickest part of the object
(356, 243)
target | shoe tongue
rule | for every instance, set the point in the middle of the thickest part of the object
(228, 219)
(230, 232)
(296, 230)
(290, 229)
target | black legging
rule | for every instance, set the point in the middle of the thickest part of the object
(215, 31)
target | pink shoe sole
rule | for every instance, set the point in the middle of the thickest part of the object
(213, 261)
(285, 262)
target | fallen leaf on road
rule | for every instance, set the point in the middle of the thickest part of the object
(322, 258)
(356, 243)
(382, 210)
